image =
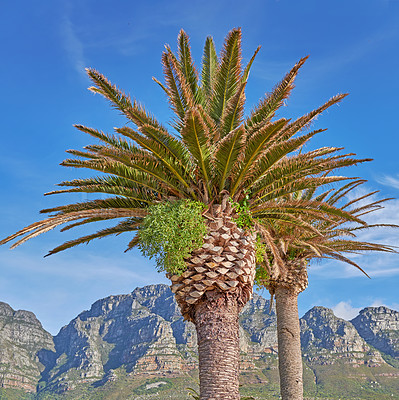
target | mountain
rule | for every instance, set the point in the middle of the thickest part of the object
(137, 346)
(379, 326)
(23, 345)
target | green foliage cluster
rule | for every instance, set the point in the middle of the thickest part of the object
(170, 232)
(244, 218)
(262, 274)
(260, 250)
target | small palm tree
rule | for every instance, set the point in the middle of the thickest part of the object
(237, 168)
(283, 267)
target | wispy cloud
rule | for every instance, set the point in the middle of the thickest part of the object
(389, 180)
(58, 288)
(345, 310)
(72, 44)
(81, 268)
(376, 264)
(351, 52)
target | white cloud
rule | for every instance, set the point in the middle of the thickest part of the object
(345, 310)
(376, 264)
(82, 267)
(391, 181)
(380, 302)
(73, 45)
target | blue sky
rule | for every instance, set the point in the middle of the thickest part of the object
(45, 46)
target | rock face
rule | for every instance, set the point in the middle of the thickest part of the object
(322, 330)
(142, 334)
(23, 343)
(139, 331)
(379, 326)
(326, 339)
(259, 325)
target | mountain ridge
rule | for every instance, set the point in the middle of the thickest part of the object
(126, 339)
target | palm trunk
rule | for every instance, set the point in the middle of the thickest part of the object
(216, 321)
(211, 292)
(289, 344)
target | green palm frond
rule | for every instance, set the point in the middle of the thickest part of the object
(228, 74)
(111, 185)
(227, 154)
(186, 62)
(209, 67)
(249, 65)
(128, 225)
(337, 233)
(233, 113)
(196, 137)
(134, 111)
(138, 209)
(268, 106)
(272, 155)
(164, 157)
(216, 152)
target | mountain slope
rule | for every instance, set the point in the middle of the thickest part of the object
(23, 347)
(137, 346)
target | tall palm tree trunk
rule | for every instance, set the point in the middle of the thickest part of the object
(289, 344)
(211, 292)
(216, 321)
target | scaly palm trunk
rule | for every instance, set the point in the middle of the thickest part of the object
(216, 321)
(285, 283)
(211, 293)
(289, 344)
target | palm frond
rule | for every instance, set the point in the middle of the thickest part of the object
(228, 75)
(209, 67)
(111, 185)
(158, 149)
(196, 137)
(268, 106)
(172, 88)
(273, 154)
(254, 148)
(249, 65)
(48, 224)
(304, 121)
(128, 225)
(133, 243)
(186, 62)
(233, 113)
(134, 111)
(227, 154)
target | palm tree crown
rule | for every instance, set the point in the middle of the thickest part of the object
(244, 171)
(289, 250)
(215, 152)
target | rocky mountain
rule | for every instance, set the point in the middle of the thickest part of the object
(136, 345)
(23, 343)
(379, 326)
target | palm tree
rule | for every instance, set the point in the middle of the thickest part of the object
(237, 167)
(283, 266)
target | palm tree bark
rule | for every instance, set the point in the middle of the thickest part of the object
(216, 321)
(289, 344)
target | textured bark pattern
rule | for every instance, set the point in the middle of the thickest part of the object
(289, 344)
(293, 277)
(225, 263)
(216, 321)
